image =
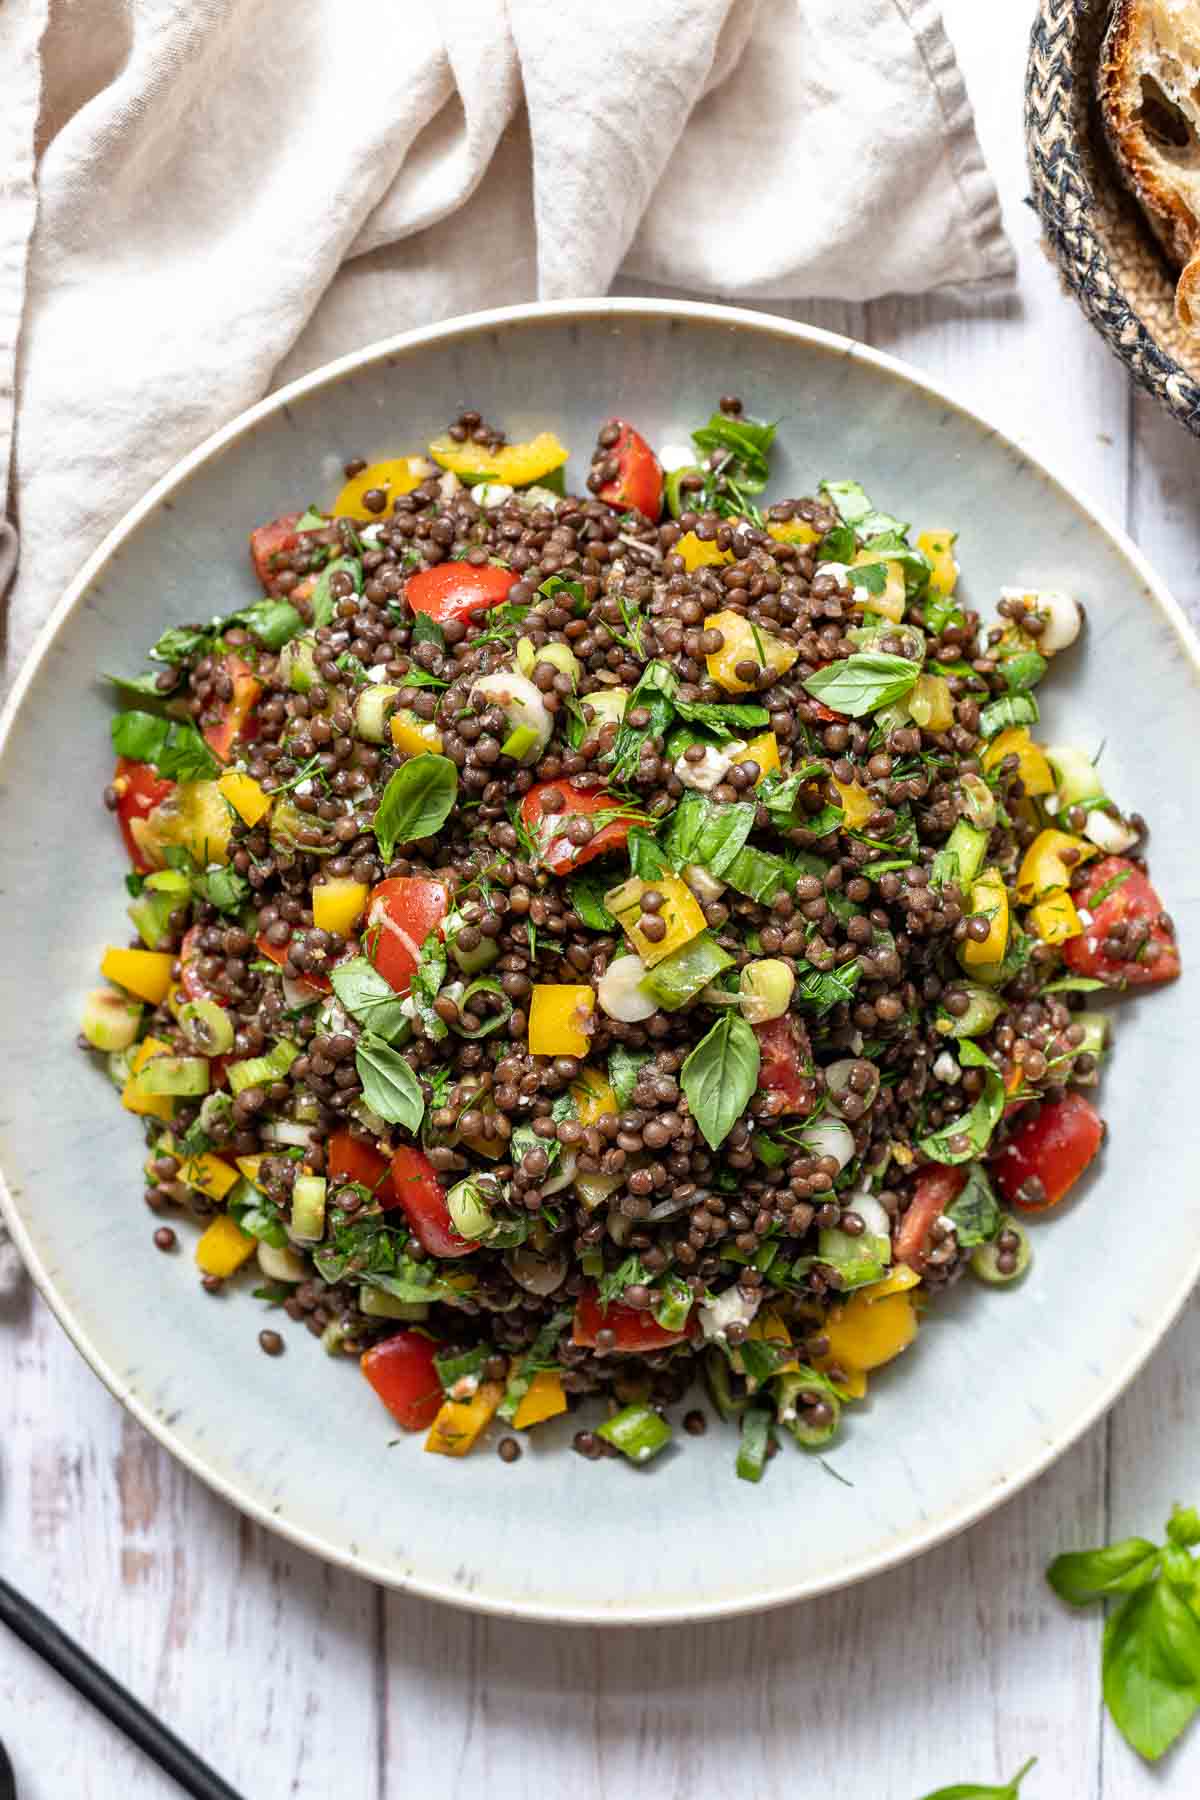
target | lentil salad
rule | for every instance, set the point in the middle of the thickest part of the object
(588, 942)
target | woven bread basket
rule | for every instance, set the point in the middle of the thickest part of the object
(1108, 256)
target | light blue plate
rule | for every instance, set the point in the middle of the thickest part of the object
(998, 1383)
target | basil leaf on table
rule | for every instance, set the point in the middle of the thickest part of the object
(971, 1790)
(977, 1125)
(389, 1086)
(1080, 1576)
(1151, 1667)
(719, 1077)
(416, 802)
(863, 682)
(368, 998)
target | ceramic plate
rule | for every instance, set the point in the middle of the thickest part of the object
(999, 1382)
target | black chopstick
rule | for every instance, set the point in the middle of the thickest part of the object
(108, 1696)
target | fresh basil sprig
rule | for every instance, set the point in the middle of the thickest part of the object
(723, 721)
(863, 682)
(720, 1076)
(368, 998)
(655, 694)
(971, 1790)
(389, 1086)
(173, 747)
(416, 802)
(975, 1214)
(977, 1125)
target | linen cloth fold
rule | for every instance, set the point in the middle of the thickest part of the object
(229, 192)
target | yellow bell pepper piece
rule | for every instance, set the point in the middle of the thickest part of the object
(146, 973)
(1036, 774)
(769, 1328)
(865, 1333)
(700, 553)
(152, 1106)
(764, 750)
(209, 1174)
(898, 1281)
(890, 603)
(1055, 919)
(395, 476)
(850, 1383)
(930, 704)
(1043, 869)
(989, 896)
(249, 1167)
(745, 643)
(680, 911)
(249, 800)
(337, 904)
(938, 546)
(224, 1247)
(460, 1422)
(854, 801)
(519, 465)
(792, 531)
(413, 734)
(593, 1096)
(544, 1399)
(557, 1017)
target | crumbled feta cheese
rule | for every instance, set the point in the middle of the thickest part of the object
(370, 533)
(677, 456)
(377, 672)
(733, 1307)
(304, 787)
(1051, 802)
(946, 1069)
(704, 776)
(1085, 917)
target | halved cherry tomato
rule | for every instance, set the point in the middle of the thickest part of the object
(235, 721)
(422, 1198)
(937, 1187)
(348, 1160)
(825, 714)
(400, 915)
(1055, 1144)
(139, 791)
(786, 1061)
(545, 825)
(455, 590)
(638, 482)
(270, 542)
(190, 981)
(278, 954)
(1131, 900)
(634, 1330)
(402, 1371)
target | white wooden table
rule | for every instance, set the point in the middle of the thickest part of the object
(296, 1680)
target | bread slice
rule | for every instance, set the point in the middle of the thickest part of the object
(1148, 85)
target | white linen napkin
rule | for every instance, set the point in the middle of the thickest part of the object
(229, 192)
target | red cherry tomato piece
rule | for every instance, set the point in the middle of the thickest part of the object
(235, 722)
(638, 482)
(786, 1061)
(422, 1198)
(634, 1330)
(545, 824)
(1055, 1144)
(1130, 900)
(400, 915)
(269, 544)
(937, 1187)
(348, 1160)
(190, 980)
(455, 590)
(139, 791)
(278, 954)
(402, 1371)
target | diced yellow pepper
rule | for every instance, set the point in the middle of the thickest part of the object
(194, 816)
(337, 904)
(249, 1166)
(460, 1422)
(680, 912)
(938, 546)
(224, 1247)
(989, 896)
(593, 1096)
(210, 1174)
(866, 1333)
(248, 798)
(1055, 919)
(1036, 774)
(769, 1328)
(898, 1281)
(890, 603)
(850, 1383)
(146, 973)
(745, 643)
(519, 465)
(930, 703)
(699, 553)
(854, 801)
(153, 1106)
(397, 475)
(764, 750)
(544, 1399)
(792, 531)
(1043, 869)
(557, 1017)
(413, 734)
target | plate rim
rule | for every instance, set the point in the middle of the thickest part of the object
(929, 1532)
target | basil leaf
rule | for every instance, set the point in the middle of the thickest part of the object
(587, 897)
(760, 874)
(311, 520)
(273, 622)
(702, 831)
(941, 610)
(368, 998)
(646, 859)
(629, 1273)
(624, 1066)
(223, 888)
(655, 692)
(839, 545)
(389, 1086)
(322, 601)
(1151, 1667)
(427, 631)
(720, 1076)
(1074, 984)
(416, 802)
(724, 721)
(142, 687)
(748, 444)
(971, 1790)
(823, 989)
(175, 749)
(1023, 670)
(181, 643)
(976, 1211)
(863, 682)
(1183, 1526)
(977, 1125)
(1079, 1576)
(849, 497)
(427, 979)
(421, 678)
(1010, 709)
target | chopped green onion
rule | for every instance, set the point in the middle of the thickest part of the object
(261, 1071)
(371, 711)
(519, 742)
(183, 1076)
(308, 1208)
(207, 1027)
(673, 1303)
(378, 1305)
(758, 1433)
(637, 1432)
(485, 985)
(110, 1020)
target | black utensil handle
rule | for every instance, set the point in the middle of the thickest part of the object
(108, 1696)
